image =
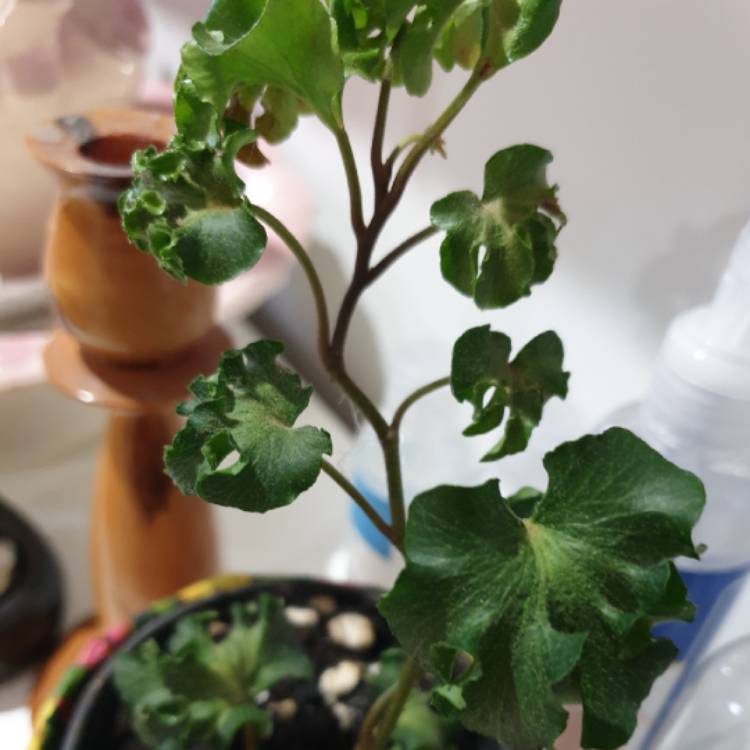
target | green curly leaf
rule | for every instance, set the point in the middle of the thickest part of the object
(186, 207)
(488, 34)
(419, 41)
(285, 44)
(556, 604)
(361, 36)
(516, 28)
(460, 42)
(519, 388)
(201, 692)
(366, 29)
(281, 111)
(514, 222)
(240, 447)
(483, 34)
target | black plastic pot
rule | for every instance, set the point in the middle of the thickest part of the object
(99, 720)
(30, 607)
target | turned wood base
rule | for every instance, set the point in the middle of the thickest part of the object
(147, 540)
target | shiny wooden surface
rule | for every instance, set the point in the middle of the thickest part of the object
(147, 539)
(124, 389)
(133, 340)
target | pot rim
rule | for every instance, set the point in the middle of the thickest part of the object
(58, 144)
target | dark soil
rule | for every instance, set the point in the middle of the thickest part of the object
(101, 721)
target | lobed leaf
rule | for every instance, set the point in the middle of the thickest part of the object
(186, 206)
(488, 34)
(288, 45)
(419, 41)
(516, 28)
(555, 604)
(515, 223)
(483, 374)
(201, 692)
(239, 447)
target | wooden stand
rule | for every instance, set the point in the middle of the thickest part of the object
(134, 340)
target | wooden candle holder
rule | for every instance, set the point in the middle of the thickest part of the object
(131, 340)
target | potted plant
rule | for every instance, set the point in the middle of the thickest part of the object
(508, 608)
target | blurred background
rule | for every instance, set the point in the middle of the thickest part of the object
(645, 107)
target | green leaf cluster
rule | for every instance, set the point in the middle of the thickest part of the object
(365, 30)
(514, 224)
(186, 208)
(201, 692)
(239, 447)
(262, 51)
(483, 374)
(484, 34)
(556, 606)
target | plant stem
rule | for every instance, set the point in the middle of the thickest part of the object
(359, 499)
(430, 136)
(376, 710)
(390, 200)
(376, 730)
(380, 172)
(303, 258)
(396, 501)
(392, 454)
(352, 179)
(399, 148)
(410, 673)
(410, 400)
(359, 398)
(249, 737)
(386, 201)
(378, 270)
(333, 364)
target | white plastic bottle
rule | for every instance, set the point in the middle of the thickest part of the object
(697, 414)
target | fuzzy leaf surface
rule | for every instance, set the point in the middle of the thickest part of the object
(516, 223)
(483, 374)
(285, 44)
(240, 447)
(556, 604)
(201, 692)
(186, 206)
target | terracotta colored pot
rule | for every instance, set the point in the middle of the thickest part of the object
(112, 298)
(56, 56)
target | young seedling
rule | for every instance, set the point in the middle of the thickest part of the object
(202, 689)
(516, 606)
